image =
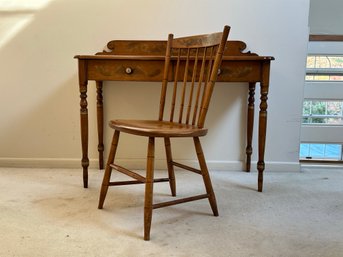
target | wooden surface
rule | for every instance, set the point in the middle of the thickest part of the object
(182, 113)
(143, 60)
(326, 38)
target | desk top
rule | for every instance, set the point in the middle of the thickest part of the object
(143, 60)
(154, 50)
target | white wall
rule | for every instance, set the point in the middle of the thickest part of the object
(326, 17)
(39, 121)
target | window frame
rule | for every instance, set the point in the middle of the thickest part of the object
(323, 90)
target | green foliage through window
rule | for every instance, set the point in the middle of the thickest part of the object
(322, 63)
(322, 112)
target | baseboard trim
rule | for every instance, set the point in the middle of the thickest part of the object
(141, 163)
(44, 163)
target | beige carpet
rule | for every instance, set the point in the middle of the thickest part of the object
(46, 212)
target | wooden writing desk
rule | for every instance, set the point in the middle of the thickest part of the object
(137, 60)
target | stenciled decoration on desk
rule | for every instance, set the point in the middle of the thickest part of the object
(135, 47)
(121, 69)
(236, 48)
(238, 72)
(158, 48)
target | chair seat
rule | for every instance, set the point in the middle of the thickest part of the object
(155, 128)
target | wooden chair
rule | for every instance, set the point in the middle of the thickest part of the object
(191, 67)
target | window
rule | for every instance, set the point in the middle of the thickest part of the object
(324, 68)
(322, 114)
(321, 151)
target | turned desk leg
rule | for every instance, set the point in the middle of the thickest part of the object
(250, 124)
(100, 121)
(84, 120)
(262, 128)
(84, 133)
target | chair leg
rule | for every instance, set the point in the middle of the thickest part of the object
(171, 173)
(148, 202)
(206, 176)
(108, 170)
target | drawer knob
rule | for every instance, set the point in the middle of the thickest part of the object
(128, 70)
(219, 72)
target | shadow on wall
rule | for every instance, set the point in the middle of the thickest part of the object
(226, 121)
(140, 100)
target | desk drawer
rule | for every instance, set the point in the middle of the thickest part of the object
(152, 70)
(125, 70)
(239, 71)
